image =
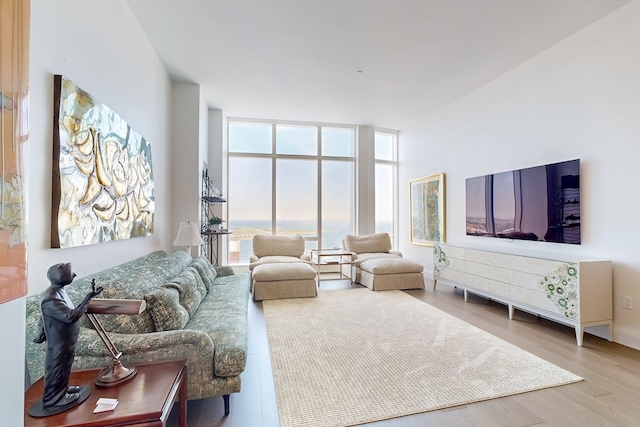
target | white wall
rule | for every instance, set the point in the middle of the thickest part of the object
(578, 99)
(12, 341)
(100, 47)
(187, 133)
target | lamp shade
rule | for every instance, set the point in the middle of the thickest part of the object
(188, 235)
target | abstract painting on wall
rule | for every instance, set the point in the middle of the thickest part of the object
(427, 210)
(102, 179)
(14, 138)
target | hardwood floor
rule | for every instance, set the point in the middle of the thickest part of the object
(609, 395)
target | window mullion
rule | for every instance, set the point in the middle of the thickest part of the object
(274, 193)
(319, 214)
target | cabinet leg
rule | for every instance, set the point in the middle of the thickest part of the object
(435, 281)
(579, 334)
(510, 311)
(466, 295)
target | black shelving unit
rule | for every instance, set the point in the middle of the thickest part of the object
(211, 237)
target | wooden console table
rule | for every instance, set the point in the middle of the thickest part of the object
(146, 400)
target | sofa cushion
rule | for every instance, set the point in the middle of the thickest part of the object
(234, 279)
(135, 284)
(199, 282)
(164, 307)
(266, 245)
(81, 286)
(379, 242)
(207, 272)
(185, 284)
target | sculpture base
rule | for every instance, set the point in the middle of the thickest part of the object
(37, 409)
(114, 375)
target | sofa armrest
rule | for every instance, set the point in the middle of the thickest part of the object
(224, 270)
(398, 253)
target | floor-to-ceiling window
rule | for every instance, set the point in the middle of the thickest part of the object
(386, 183)
(288, 178)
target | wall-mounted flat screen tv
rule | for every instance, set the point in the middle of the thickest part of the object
(540, 203)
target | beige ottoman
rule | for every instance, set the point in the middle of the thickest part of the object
(383, 274)
(283, 280)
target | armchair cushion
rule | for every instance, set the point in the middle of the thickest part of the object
(266, 245)
(268, 249)
(360, 258)
(369, 243)
(275, 259)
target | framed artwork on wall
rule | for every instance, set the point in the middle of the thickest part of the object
(14, 131)
(102, 183)
(427, 200)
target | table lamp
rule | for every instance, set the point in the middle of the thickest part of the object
(188, 236)
(117, 373)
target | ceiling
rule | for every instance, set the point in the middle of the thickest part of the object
(386, 63)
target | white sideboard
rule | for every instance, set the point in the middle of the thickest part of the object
(571, 291)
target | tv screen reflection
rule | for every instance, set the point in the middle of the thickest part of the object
(540, 203)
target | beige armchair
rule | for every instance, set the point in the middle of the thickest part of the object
(366, 247)
(280, 268)
(268, 249)
(379, 268)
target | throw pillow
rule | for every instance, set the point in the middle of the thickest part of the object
(199, 283)
(185, 284)
(205, 269)
(164, 306)
(224, 271)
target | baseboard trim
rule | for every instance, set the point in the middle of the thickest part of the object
(626, 337)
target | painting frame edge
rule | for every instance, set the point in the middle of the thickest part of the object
(421, 212)
(55, 166)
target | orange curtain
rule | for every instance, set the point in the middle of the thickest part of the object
(14, 134)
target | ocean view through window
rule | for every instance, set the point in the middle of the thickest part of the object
(289, 178)
(386, 173)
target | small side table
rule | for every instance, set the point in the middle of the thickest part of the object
(146, 400)
(339, 257)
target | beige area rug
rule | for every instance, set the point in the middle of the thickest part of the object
(355, 356)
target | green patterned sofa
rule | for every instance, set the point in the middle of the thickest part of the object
(194, 311)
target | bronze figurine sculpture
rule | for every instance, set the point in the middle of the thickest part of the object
(60, 330)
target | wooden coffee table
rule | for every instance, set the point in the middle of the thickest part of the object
(146, 400)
